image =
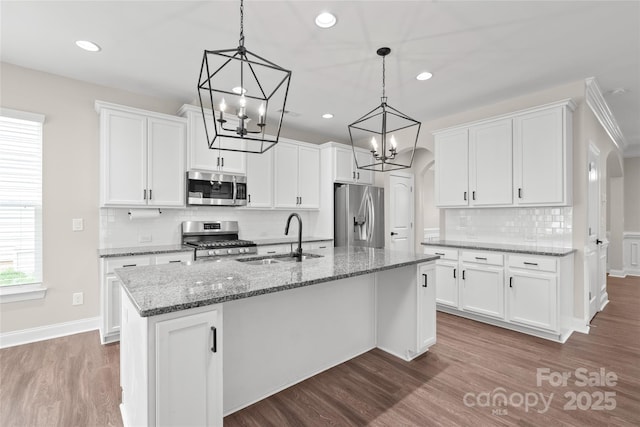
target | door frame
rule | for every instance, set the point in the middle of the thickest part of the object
(591, 284)
(412, 232)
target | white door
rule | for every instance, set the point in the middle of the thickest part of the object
(364, 176)
(452, 168)
(490, 164)
(401, 212)
(124, 157)
(286, 175)
(426, 306)
(189, 357)
(309, 177)
(533, 299)
(592, 257)
(166, 164)
(483, 290)
(260, 180)
(447, 283)
(343, 163)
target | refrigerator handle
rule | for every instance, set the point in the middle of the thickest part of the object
(371, 218)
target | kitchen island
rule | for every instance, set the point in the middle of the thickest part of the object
(284, 321)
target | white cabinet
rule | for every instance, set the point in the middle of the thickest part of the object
(141, 157)
(490, 164)
(260, 180)
(427, 282)
(452, 168)
(483, 289)
(171, 367)
(110, 287)
(532, 299)
(543, 157)
(297, 176)
(283, 248)
(345, 167)
(188, 357)
(200, 156)
(447, 275)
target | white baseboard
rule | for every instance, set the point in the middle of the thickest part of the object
(618, 273)
(41, 333)
(632, 271)
(581, 326)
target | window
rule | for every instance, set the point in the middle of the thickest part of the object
(20, 203)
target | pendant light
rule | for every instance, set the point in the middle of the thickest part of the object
(249, 94)
(386, 130)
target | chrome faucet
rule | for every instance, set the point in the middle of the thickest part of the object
(298, 252)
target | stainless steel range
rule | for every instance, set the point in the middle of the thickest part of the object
(215, 238)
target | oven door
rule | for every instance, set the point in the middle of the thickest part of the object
(213, 189)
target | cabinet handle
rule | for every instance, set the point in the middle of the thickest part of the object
(519, 193)
(354, 175)
(439, 253)
(129, 265)
(454, 273)
(465, 195)
(218, 161)
(463, 278)
(214, 333)
(150, 194)
(144, 194)
(482, 258)
(248, 198)
(300, 199)
(425, 280)
(358, 175)
(222, 162)
(473, 195)
(530, 263)
(322, 247)
(271, 252)
(174, 261)
(511, 282)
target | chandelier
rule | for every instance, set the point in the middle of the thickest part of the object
(249, 94)
(387, 131)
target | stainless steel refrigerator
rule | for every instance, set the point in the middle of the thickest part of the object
(358, 215)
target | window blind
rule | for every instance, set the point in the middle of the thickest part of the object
(20, 199)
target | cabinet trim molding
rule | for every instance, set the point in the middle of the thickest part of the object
(100, 105)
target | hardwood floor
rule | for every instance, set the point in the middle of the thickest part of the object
(73, 381)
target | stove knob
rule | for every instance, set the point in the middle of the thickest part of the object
(230, 251)
(211, 252)
(217, 252)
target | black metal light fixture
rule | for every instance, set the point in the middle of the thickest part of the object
(237, 78)
(393, 129)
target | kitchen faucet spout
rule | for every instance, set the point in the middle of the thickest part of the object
(298, 252)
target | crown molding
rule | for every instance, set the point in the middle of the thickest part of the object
(597, 104)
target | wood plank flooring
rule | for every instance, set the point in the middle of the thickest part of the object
(73, 381)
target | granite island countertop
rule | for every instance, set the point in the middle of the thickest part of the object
(160, 289)
(292, 239)
(502, 247)
(143, 250)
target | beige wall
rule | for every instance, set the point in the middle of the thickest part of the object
(70, 189)
(632, 194)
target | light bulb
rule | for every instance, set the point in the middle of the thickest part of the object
(223, 105)
(261, 110)
(243, 101)
(393, 142)
(374, 144)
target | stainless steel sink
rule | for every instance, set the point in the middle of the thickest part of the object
(276, 259)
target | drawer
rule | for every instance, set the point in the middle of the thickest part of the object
(133, 261)
(444, 253)
(533, 263)
(489, 258)
(274, 249)
(173, 257)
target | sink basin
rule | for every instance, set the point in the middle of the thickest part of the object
(276, 259)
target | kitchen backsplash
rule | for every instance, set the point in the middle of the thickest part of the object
(527, 226)
(117, 230)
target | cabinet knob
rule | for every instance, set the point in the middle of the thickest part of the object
(393, 233)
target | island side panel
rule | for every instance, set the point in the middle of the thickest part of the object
(276, 340)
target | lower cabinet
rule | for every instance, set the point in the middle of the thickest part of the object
(171, 367)
(426, 305)
(483, 290)
(110, 287)
(447, 283)
(533, 299)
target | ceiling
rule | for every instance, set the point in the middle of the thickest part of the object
(479, 52)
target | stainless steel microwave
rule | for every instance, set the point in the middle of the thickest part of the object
(216, 189)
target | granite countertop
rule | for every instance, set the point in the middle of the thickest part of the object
(166, 288)
(142, 250)
(502, 247)
(289, 239)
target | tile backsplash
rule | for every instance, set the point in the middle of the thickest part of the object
(117, 230)
(526, 226)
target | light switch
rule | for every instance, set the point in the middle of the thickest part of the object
(78, 224)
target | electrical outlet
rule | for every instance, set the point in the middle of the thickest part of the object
(78, 298)
(77, 224)
(144, 238)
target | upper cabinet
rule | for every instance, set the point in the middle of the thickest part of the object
(200, 156)
(260, 180)
(297, 175)
(142, 157)
(345, 167)
(519, 159)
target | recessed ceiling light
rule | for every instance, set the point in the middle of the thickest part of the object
(88, 45)
(327, 116)
(326, 20)
(239, 90)
(425, 75)
(617, 91)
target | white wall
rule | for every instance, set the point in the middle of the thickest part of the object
(632, 194)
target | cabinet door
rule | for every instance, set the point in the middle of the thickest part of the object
(124, 158)
(233, 161)
(260, 180)
(452, 168)
(309, 177)
(483, 290)
(284, 248)
(539, 158)
(364, 176)
(343, 165)
(173, 258)
(112, 306)
(490, 164)
(286, 175)
(166, 164)
(533, 299)
(447, 283)
(201, 157)
(427, 283)
(185, 360)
